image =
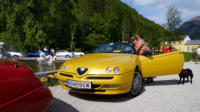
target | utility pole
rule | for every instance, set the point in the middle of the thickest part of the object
(72, 40)
(73, 30)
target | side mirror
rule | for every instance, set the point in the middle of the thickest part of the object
(147, 53)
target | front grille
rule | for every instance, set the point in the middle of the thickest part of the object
(99, 77)
(67, 75)
(86, 90)
(95, 86)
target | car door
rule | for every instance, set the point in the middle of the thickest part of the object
(161, 64)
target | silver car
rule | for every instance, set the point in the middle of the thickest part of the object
(64, 53)
(78, 54)
(15, 54)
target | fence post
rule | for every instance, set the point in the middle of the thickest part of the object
(191, 54)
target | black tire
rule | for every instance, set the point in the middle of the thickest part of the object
(137, 85)
(67, 56)
(148, 80)
(15, 56)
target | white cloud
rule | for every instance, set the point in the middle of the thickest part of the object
(157, 9)
(157, 19)
(145, 2)
(188, 13)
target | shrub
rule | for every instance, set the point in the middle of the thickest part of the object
(189, 56)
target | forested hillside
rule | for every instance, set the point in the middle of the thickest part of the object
(79, 24)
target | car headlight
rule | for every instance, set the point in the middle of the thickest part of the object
(116, 70)
(108, 69)
(64, 67)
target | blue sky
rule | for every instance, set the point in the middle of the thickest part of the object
(156, 10)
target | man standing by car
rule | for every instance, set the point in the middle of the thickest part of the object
(52, 52)
(165, 49)
(198, 55)
(46, 49)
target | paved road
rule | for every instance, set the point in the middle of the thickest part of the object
(163, 95)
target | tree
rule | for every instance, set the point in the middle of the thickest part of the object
(32, 24)
(173, 19)
(98, 33)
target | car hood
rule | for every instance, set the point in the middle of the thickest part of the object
(98, 62)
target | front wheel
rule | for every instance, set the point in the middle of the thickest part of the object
(137, 85)
(67, 56)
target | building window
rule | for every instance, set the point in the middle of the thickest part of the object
(188, 49)
(180, 48)
(192, 48)
(179, 42)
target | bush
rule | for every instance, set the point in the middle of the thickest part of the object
(51, 82)
(48, 79)
(189, 56)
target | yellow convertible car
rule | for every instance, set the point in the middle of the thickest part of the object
(115, 68)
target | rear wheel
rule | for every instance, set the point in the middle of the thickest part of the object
(137, 84)
(15, 56)
(67, 56)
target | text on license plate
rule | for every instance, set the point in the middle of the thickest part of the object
(79, 85)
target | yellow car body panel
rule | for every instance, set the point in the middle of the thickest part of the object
(162, 64)
(123, 80)
(117, 83)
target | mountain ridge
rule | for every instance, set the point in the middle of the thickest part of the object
(192, 28)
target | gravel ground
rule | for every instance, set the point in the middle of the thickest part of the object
(163, 95)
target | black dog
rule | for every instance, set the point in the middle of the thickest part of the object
(186, 73)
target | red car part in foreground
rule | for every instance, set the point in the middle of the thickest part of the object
(20, 90)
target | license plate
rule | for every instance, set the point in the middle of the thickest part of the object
(79, 85)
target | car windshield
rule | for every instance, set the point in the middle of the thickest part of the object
(116, 48)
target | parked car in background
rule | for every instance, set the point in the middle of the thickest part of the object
(78, 54)
(63, 53)
(15, 54)
(21, 91)
(36, 54)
